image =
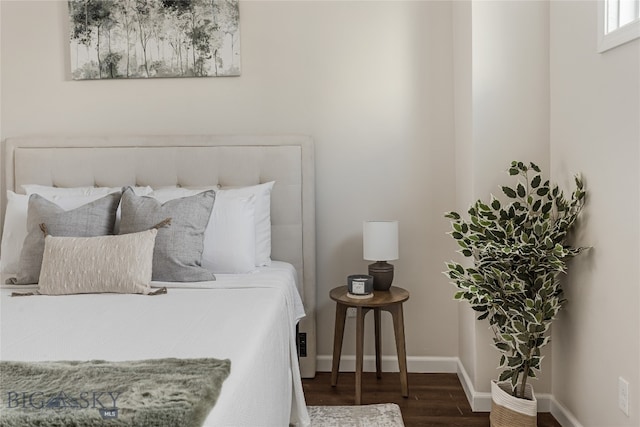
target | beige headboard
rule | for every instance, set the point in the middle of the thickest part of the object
(190, 161)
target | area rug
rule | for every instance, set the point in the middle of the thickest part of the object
(159, 392)
(381, 415)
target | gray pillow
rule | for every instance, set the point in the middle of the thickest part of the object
(93, 219)
(177, 255)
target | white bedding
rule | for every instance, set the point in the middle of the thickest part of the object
(249, 319)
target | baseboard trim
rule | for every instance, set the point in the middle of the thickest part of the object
(563, 415)
(422, 364)
(479, 401)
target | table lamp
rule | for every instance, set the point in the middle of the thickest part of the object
(380, 244)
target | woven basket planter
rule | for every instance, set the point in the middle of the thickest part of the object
(510, 411)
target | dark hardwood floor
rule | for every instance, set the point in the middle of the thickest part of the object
(434, 399)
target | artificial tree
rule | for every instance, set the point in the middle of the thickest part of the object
(518, 250)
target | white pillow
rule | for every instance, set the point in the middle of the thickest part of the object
(50, 192)
(262, 193)
(46, 190)
(165, 194)
(14, 232)
(230, 237)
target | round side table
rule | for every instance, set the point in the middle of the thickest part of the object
(390, 301)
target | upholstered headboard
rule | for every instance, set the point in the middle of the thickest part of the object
(190, 161)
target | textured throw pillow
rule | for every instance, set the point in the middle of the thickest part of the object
(81, 265)
(15, 220)
(68, 197)
(92, 219)
(177, 256)
(262, 192)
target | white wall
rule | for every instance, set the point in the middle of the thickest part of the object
(462, 21)
(369, 81)
(502, 114)
(595, 130)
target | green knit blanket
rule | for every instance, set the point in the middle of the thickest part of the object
(160, 392)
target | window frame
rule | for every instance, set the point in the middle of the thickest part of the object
(617, 37)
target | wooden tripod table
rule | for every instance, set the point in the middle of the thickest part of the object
(390, 301)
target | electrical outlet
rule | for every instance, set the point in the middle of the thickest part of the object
(623, 395)
(352, 311)
(302, 344)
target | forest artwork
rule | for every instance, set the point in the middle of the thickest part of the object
(124, 39)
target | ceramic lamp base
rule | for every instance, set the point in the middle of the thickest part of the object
(382, 273)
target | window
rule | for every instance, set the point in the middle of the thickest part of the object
(618, 22)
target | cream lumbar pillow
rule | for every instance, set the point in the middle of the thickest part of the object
(80, 265)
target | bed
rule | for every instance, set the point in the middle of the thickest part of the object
(250, 319)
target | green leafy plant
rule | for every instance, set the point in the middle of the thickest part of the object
(518, 250)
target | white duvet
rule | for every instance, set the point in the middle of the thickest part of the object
(249, 319)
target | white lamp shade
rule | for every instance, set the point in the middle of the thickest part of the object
(380, 240)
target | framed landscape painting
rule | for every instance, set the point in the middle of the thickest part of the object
(125, 39)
